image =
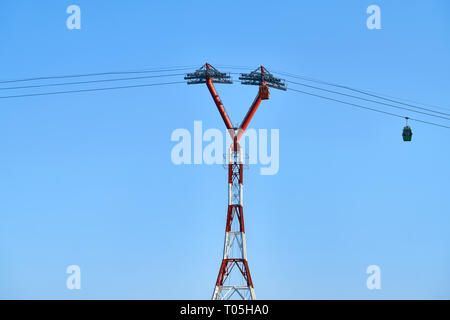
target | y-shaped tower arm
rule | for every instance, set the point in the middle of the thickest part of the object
(219, 105)
(264, 79)
(208, 74)
(248, 117)
(260, 77)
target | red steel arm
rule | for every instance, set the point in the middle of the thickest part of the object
(249, 115)
(254, 107)
(219, 105)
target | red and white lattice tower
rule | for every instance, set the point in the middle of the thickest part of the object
(234, 274)
(234, 279)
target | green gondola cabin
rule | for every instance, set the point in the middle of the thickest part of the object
(407, 133)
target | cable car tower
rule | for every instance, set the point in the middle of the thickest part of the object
(234, 279)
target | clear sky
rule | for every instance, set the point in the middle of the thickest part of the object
(86, 179)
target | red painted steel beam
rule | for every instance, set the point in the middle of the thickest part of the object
(248, 117)
(235, 209)
(251, 112)
(228, 265)
(220, 106)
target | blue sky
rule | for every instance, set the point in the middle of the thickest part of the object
(87, 178)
